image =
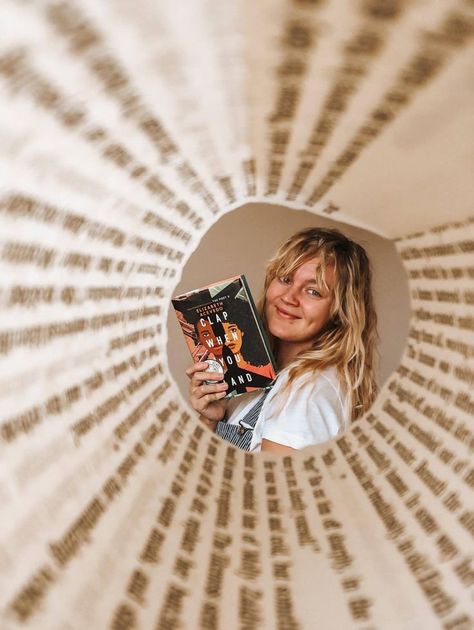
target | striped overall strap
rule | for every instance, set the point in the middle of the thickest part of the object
(241, 434)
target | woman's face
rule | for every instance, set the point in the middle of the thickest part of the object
(295, 308)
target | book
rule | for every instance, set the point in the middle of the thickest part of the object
(221, 325)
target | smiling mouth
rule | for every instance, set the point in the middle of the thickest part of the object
(285, 315)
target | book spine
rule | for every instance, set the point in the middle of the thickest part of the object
(261, 329)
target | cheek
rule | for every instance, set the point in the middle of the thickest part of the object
(269, 298)
(327, 313)
(272, 292)
(319, 314)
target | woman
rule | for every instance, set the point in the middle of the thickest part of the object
(318, 308)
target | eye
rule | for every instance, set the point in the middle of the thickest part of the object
(313, 292)
(285, 279)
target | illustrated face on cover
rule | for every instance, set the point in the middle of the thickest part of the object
(219, 322)
(207, 337)
(233, 337)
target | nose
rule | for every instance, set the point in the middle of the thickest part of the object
(290, 296)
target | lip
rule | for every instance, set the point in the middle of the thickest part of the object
(285, 314)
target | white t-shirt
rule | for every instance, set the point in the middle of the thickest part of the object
(310, 412)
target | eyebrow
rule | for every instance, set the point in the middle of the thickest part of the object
(315, 282)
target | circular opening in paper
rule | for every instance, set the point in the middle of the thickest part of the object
(242, 241)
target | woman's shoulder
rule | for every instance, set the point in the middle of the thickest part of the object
(311, 396)
(327, 379)
(327, 390)
(312, 411)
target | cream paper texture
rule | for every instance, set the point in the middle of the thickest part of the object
(126, 131)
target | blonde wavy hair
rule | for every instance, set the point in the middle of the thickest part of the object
(349, 339)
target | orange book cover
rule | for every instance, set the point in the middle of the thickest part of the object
(220, 323)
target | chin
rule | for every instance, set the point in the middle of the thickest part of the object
(279, 333)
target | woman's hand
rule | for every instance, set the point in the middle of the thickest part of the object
(207, 400)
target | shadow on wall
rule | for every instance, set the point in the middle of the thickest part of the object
(242, 241)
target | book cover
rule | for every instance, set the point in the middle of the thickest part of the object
(220, 323)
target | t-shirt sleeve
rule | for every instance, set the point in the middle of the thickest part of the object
(312, 414)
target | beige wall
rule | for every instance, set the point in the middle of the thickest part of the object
(244, 239)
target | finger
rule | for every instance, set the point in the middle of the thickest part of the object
(203, 390)
(208, 376)
(209, 398)
(196, 367)
(201, 404)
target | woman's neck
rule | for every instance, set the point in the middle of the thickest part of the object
(288, 351)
